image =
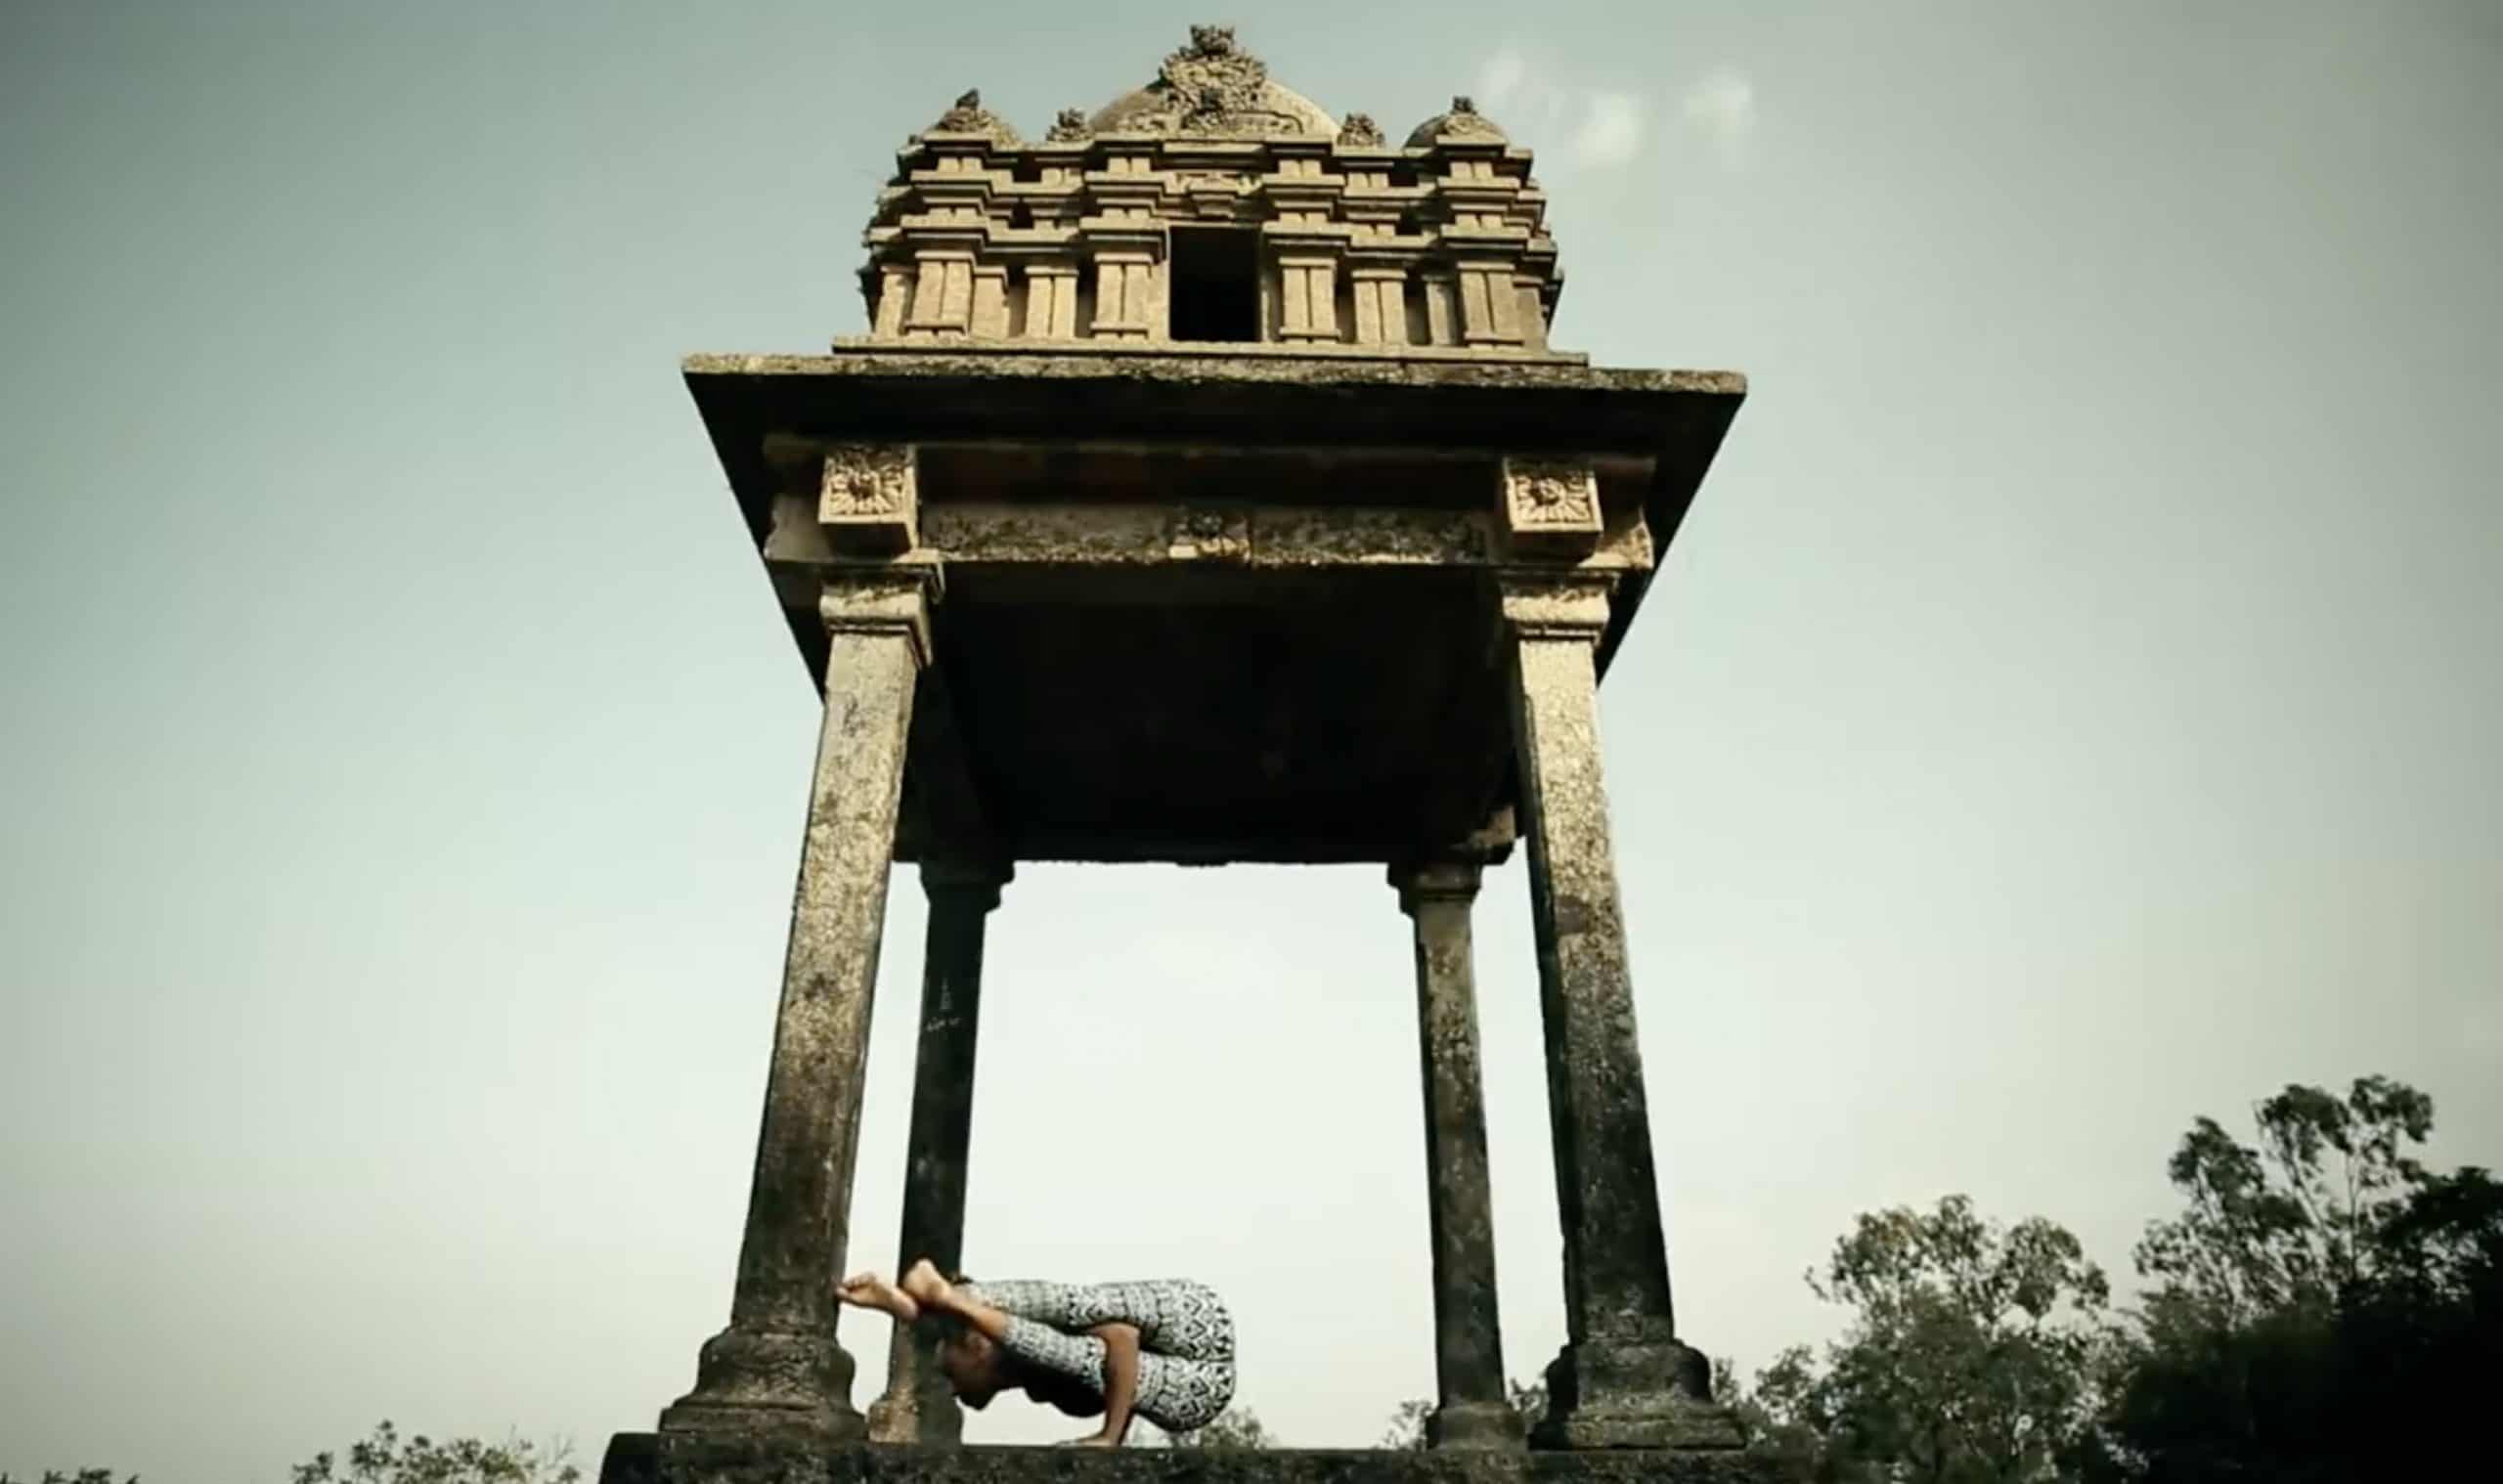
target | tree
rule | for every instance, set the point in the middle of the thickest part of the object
(1969, 1358)
(1407, 1428)
(2320, 1299)
(1234, 1427)
(386, 1459)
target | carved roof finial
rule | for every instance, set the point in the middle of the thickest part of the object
(1248, 105)
(969, 116)
(1070, 125)
(1359, 129)
(1461, 121)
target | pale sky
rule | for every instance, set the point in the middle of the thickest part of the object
(2071, 707)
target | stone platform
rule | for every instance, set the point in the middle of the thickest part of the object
(644, 1458)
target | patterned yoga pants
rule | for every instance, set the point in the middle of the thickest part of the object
(1185, 1339)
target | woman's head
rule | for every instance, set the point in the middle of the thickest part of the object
(975, 1368)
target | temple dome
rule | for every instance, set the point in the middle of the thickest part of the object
(1213, 88)
(1461, 121)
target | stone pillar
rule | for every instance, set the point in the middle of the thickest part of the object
(918, 1406)
(778, 1368)
(1623, 1378)
(1472, 1409)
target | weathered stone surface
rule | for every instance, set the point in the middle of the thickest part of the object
(777, 1367)
(1212, 145)
(1471, 1410)
(1551, 506)
(643, 1458)
(918, 1406)
(1622, 1379)
(1460, 121)
(868, 502)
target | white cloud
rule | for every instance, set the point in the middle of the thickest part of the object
(1612, 129)
(1722, 106)
(1501, 78)
(1594, 128)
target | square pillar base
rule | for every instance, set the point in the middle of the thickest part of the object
(1642, 1395)
(779, 1384)
(1475, 1424)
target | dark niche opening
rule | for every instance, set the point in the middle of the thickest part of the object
(1216, 283)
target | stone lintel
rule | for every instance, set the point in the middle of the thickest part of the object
(1284, 538)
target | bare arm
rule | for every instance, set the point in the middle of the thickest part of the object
(1121, 1379)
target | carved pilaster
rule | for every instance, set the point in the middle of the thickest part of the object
(1308, 290)
(1489, 313)
(895, 296)
(942, 292)
(1443, 307)
(1051, 302)
(989, 317)
(1382, 303)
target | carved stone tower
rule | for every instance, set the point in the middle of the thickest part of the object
(1207, 490)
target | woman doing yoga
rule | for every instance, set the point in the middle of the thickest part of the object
(1163, 1349)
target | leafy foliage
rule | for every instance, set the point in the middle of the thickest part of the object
(386, 1459)
(2322, 1297)
(1967, 1360)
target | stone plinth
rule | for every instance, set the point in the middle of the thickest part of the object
(642, 1457)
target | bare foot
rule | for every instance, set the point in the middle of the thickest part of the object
(868, 1291)
(924, 1284)
(1095, 1440)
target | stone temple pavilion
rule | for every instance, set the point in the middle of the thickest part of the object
(1206, 489)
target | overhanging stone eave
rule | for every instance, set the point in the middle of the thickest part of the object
(1551, 404)
(897, 393)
